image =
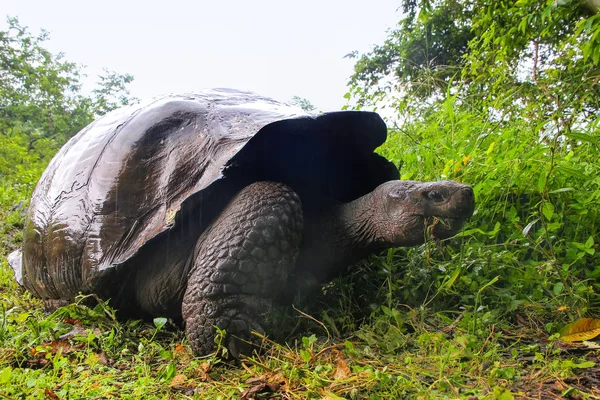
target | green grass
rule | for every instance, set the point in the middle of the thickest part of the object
(400, 352)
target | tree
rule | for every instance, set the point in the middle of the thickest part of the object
(508, 101)
(423, 53)
(534, 50)
(111, 92)
(41, 107)
(304, 104)
(40, 93)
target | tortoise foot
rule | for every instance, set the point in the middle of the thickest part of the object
(242, 263)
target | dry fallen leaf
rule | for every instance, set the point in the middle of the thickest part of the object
(179, 348)
(263, 384)
(178, 380)
(202, 372)
(580, 330)
(102, 359)
(205, 367)
(185, 390)
(260, 388)
(50, 394)
(342, 371)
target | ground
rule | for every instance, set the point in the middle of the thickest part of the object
(86, 352)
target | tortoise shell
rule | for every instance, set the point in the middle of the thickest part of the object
(138, 173)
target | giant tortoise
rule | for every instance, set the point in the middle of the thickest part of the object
(209, 206)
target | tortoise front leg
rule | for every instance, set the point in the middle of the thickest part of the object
(241, 263)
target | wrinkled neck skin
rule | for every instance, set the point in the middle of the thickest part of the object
(340, 236)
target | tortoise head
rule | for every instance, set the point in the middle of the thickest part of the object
(410, 211)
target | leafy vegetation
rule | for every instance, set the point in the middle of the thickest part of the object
(502, 95)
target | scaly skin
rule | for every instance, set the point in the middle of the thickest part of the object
(242, 263)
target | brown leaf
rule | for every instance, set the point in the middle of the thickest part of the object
(258, 379)
(582, 329)
(185, 390)
(102, 359)
(178, 380)
(37, 362)
(64, 347)
(342, 371)
(263, 384)
(179, 348)
(202, 372)
(205, 367)
(260, 388)
(54, 347)
(50, 394)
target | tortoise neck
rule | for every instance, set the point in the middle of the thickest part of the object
(356, 226)
(339, 236)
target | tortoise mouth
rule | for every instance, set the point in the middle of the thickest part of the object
(439, 227)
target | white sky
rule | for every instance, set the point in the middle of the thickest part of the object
(275, 48)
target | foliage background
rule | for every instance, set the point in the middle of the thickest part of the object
(503, 95)
(508, 101)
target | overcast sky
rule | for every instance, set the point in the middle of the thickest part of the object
(275, 48)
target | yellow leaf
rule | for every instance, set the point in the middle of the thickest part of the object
(562, 308)
(582, 329)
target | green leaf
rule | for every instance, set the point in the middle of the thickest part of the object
(349, 346)
(5, 375)
(585, 364)
(307, 342)
(159, 322)
(305, 355)
(583, 137)
(494, 232)
(572, 172)
(501, 393)
(562, 190)
(541, 183)
(548, 210)
(470, 232)
(558, 288)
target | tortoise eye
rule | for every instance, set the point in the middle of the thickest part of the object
(435, 196)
